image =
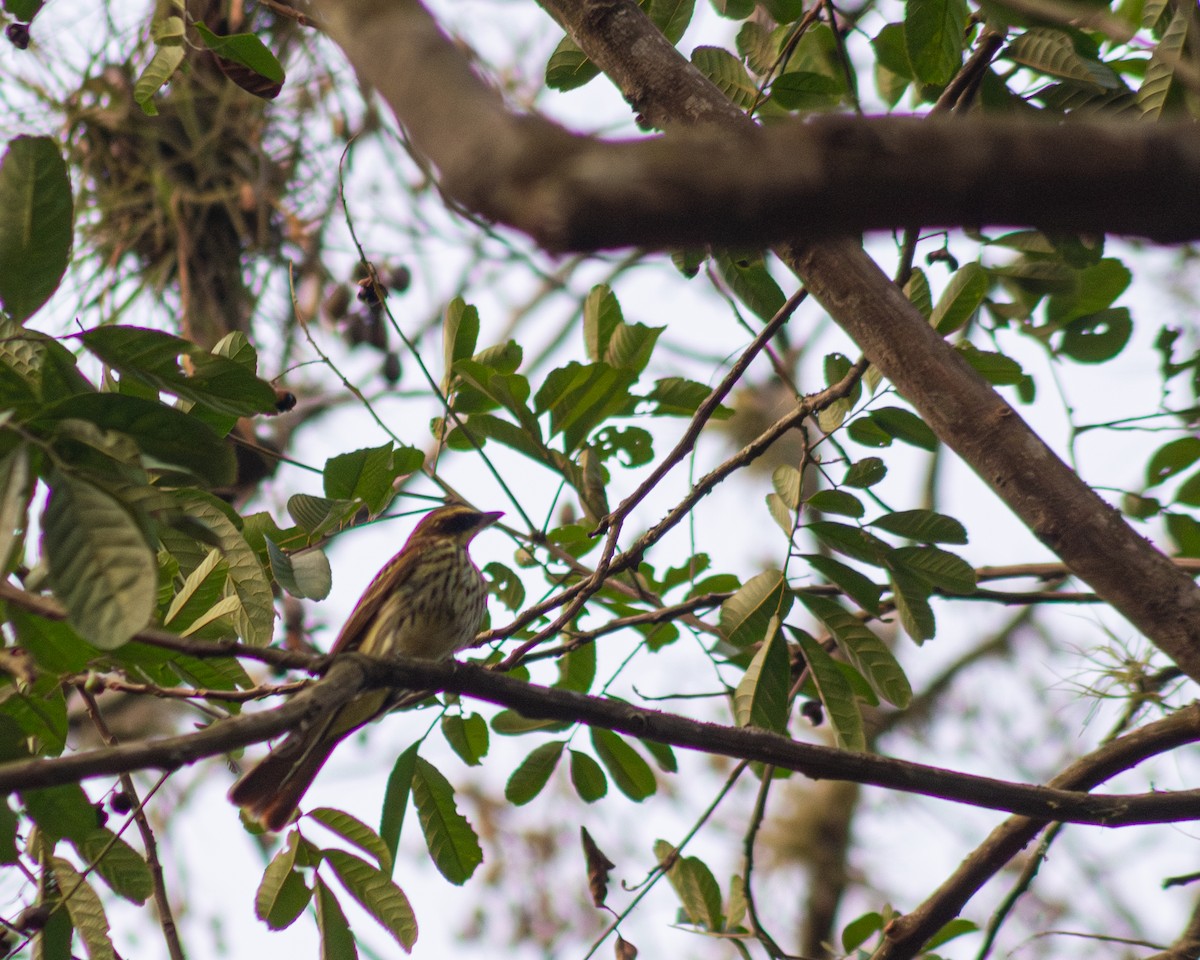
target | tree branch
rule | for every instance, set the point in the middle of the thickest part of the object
(906, 936)
(345, 677)
(734, 185)
(351, 673)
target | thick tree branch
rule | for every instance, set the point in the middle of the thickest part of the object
(730, 185)
(351, 673)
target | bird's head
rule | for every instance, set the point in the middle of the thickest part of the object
(456, 522)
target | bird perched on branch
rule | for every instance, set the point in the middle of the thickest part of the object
(428, 602)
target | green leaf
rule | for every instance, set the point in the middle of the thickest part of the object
(569, 67)
(836, 501)
(728, 75)
(1052, 51)
(203, 588)
(85, 909)
(509, 723)
(1189, 491)
(866, 431)
(245, 49)
(783, 516)
(695, 886)
(671, 17)
(630, 346)
(504, 585)
(851, 541)
(663, 755)
(679, 397)
(836, 694)
(577, 669)
(918, 292)
(940, 568)
(36, 224)
(119, 865)
(159, 70)
(911, 595)
(282, 894)
(734, 9)
(601, 317)
(865, 473)
(629, 771)
(860, 929)
(836, 367)
(395, 798)
(165, 436)
(305, 574)
(482, 427)
(1097, 337)
(587, 776)
(906, 426)
(952, 930)
(1093, 290)
(890, 51)
(451, 840)
(467, 736)
(863, 649)
(365, 475)
(337, 940)
(1153, 94)
(23, 10)
(16, 490)
(528, 780)
(788, 483)
(1185, 532)
(377, 894)
(926, 526)
(319, 516)
(152, 356)
(61, 812)
(255, 616)
(1172, 458)
(996, 368)
(354, 831)
(861, 589)
(460, 333)
(961, 298)
(746, 616)
(806, 90)
(632, 446)
(747, 274)
(55, 645)
(933, 37)
(40, 710)
(100, 564)
(761, 698)
(579, 398)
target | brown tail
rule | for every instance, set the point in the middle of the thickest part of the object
(272, 790)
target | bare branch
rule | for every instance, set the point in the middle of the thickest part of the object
(730, 182)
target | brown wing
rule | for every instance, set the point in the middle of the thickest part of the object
(393, 574)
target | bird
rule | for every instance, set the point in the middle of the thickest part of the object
(427, 602)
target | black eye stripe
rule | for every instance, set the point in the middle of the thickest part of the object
(458, 522)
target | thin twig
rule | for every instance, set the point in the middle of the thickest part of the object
(166, 918)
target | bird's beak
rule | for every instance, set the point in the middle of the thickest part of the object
(490, 518)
